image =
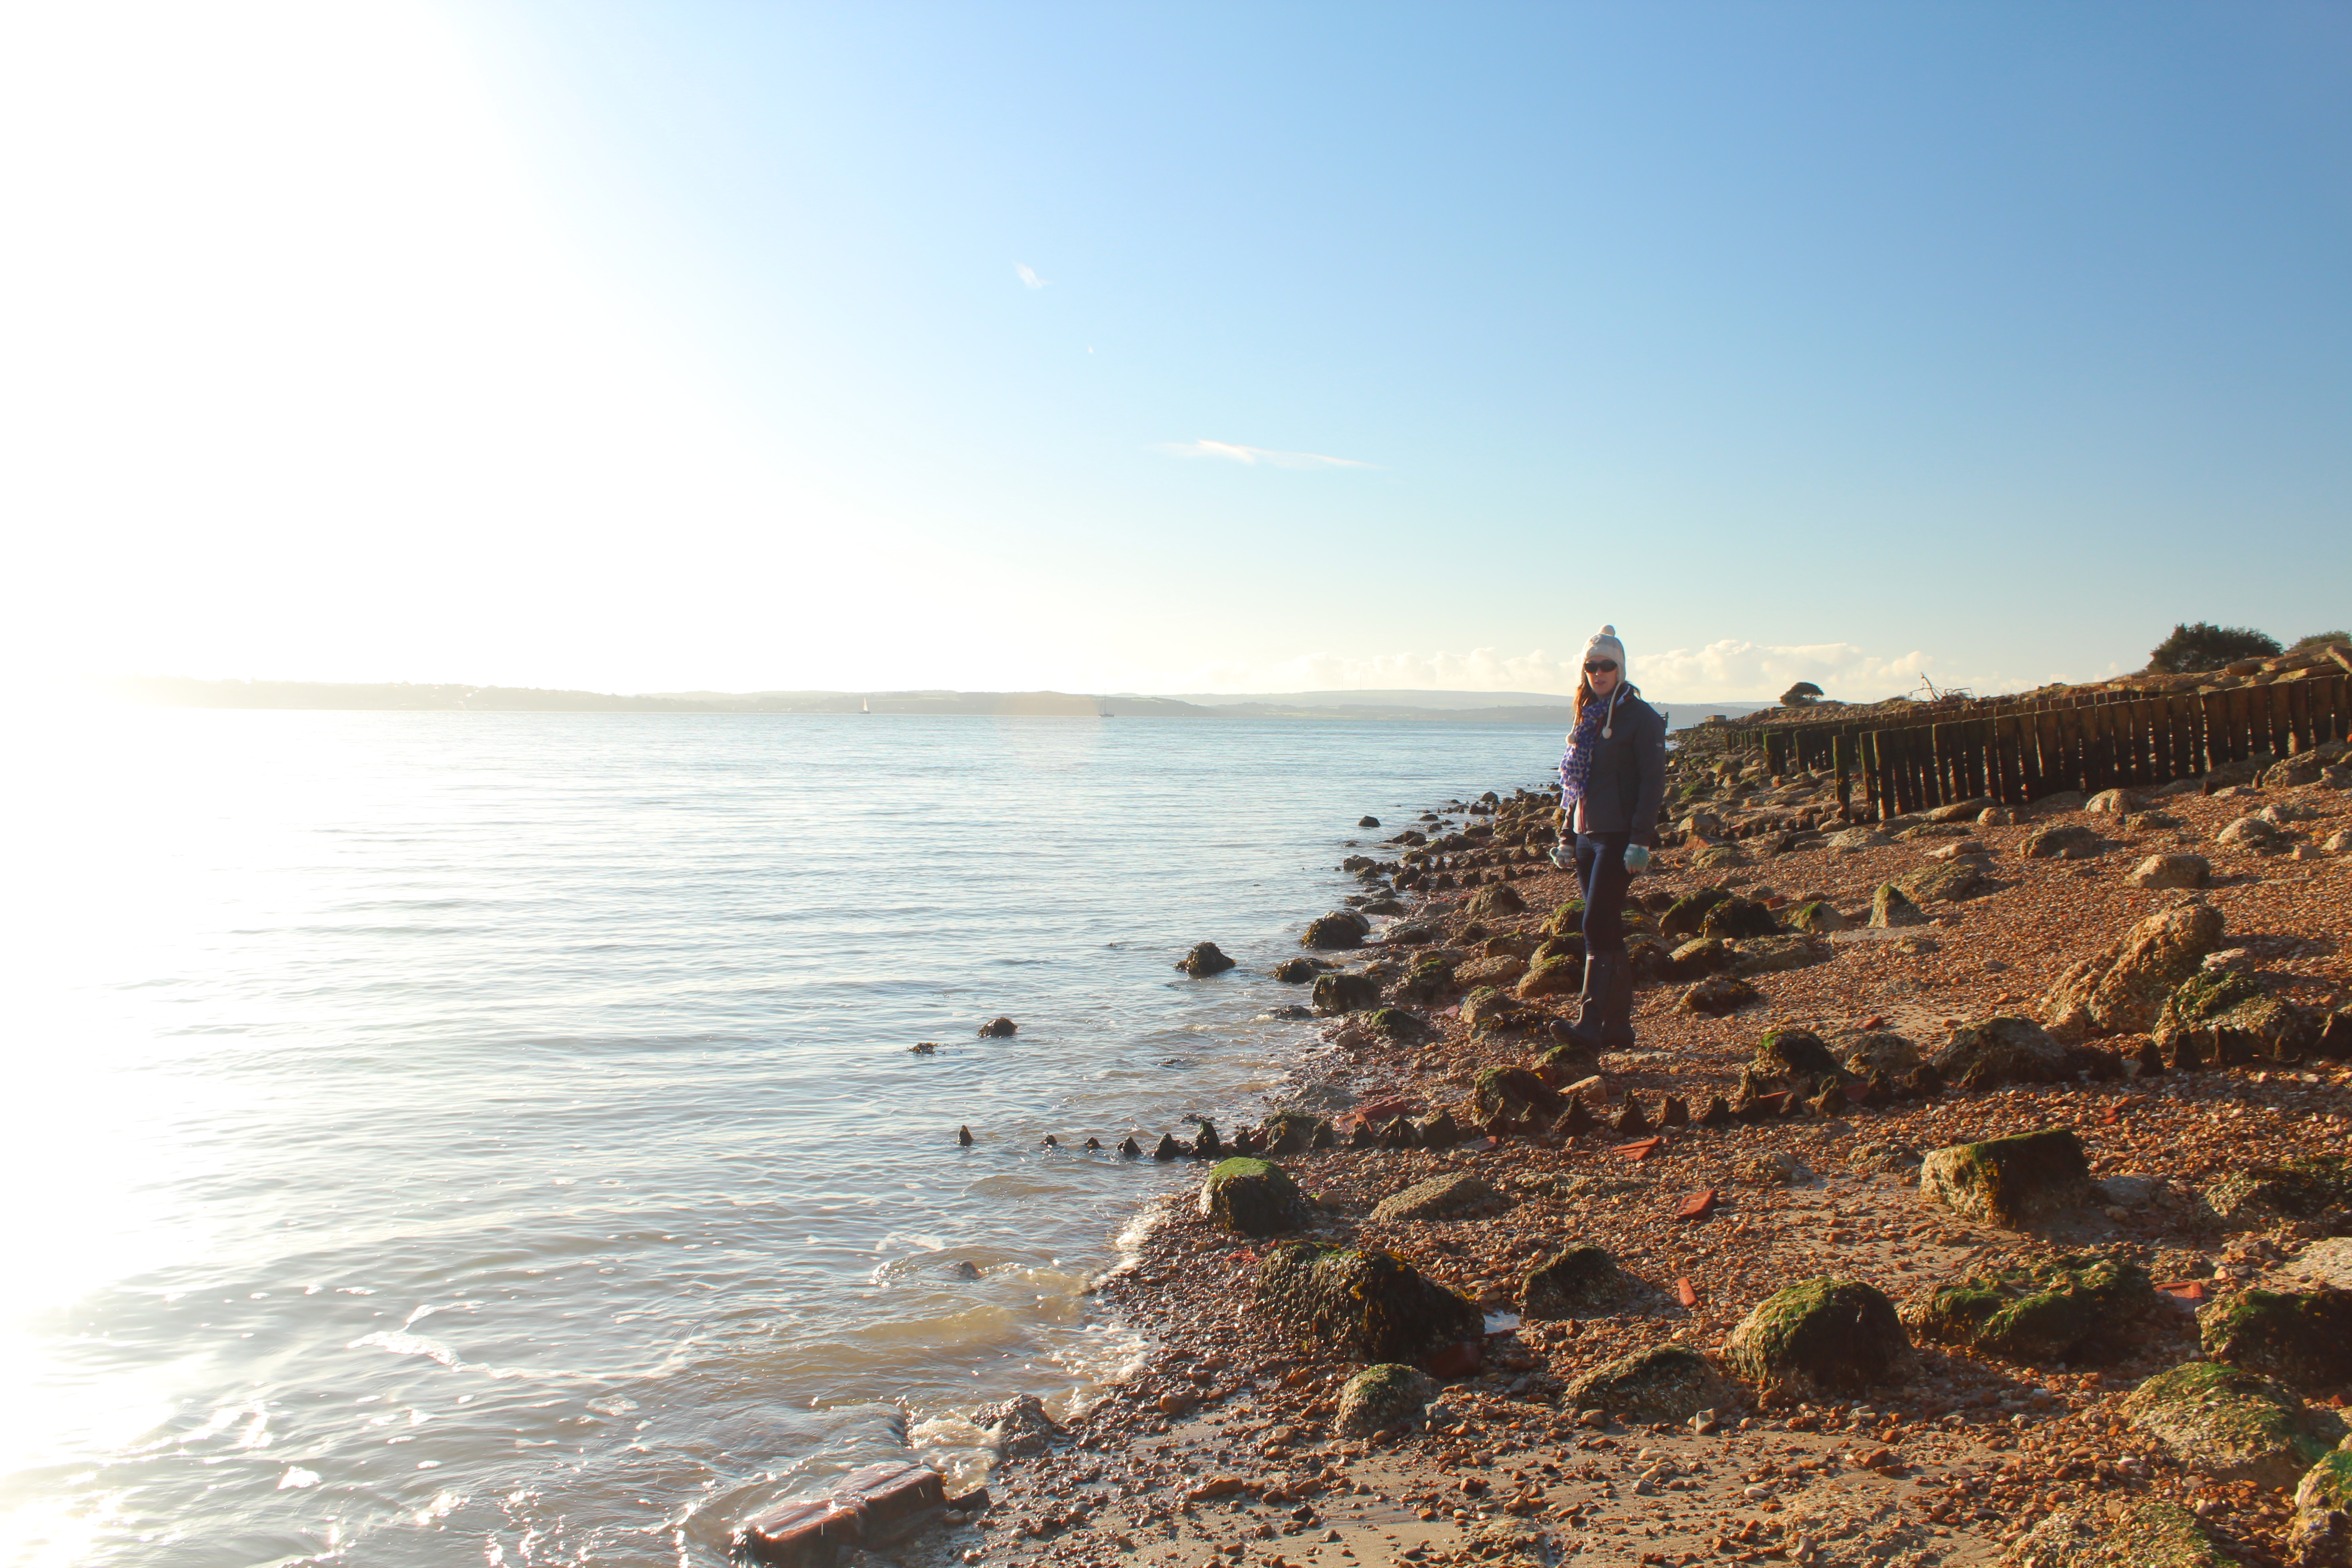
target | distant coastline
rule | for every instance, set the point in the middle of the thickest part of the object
(1424, 706)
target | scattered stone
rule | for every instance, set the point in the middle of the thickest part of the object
(1441, 1198)
(1497, 1089)
(1553, 977)
(1665, 1382)
(1854, 839)
(1387, 1396)
(2229, 1017)
(1685, 915)
(1795, 1053)
(2119, 1532)
(1296, 970)
(2231, 1425)
(1948, 882)
(1580, 1282)
(1205, 959)
(1717, 995)
(2041, 1312)
(1817, 918)
(2250, 833)
(2009, 1182)
(1877, 1051)
(1019, 1427)
(1494, 902)
(2318, 1187)
(2065, 841)
(1368, 822)
(1251, 1196)
(2303, 1338)
(2001, 1050)
(1338, 994)
(1733, 917)
(1367, 1305)
(1702, 956)
(2160, 872)
(1339, 928)
(1819, 1339)
(1891, 906)
(1778, 955)
(2122, 990)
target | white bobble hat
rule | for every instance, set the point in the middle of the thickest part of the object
(1604, 645)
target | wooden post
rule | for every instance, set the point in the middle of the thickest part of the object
(2008, 777)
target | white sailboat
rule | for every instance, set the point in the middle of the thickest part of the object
(863, 706)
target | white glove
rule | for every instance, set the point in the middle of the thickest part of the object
(1564, 857)
(1637, 859)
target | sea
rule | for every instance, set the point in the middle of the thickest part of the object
(501, 1138)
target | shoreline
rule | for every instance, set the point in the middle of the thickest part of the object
(1223, 1444)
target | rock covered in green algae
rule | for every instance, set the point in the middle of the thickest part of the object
(1553, 977)
(1440, 1198)
(2303, 1338)
(2044, 1313)
(2228, 1017)
(1819, 1339)
(1795, 1053)
(1685, 915)
(1571, 1062)
(1891, 906)
(1945, 881)
(2009, 1182)
(1336, 994)
(2317, 1188)
(1371, 1306)
(1430, 979)
(1999, 1051)
(1253, 1197)
(2122, 990)
(1735, 918)
(2135, 1532)
(1574, 1282)
(1386, 1395)
(1664, 1383)
(2231, 1425)
(1396, 1024)
(2320, 1534)
(1702, 955)
(1818, 918)
(1716, 997)
(1496, 1089)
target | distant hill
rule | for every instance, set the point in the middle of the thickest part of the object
(1407, 707)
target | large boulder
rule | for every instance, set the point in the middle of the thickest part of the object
(1577, 1282)
(1494, 902)
(2320, 1533)
(1891, 906)
(1820, 1339)
(2009, 1182)
(1441, 1198)
(1487, 1005)
(1389, 1396)
(1296, 970)
(1948, 882)
(1795, 1053)
(1429, 980)
(2122, 990)
(1368, 1306)
(1253, 1197)
(2040, 1312)
(2228, 1017)
(1685, 915)
(1553, 977)
(2303, 1338)
(1497, 1089)
(2119, 1532)
(1206, 958)
(2231, 1425)
(2064, 841)
(1397, 1026)
(1339, 928)
(1735, 918)
(1717, 995)
(1665, 1382)
(2314, 1188)
(2162, 872)
(1818, 918)
(2250, 833)
(2001, 1050)
(1877, 1051)
(1336, 994)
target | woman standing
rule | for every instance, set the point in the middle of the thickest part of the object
(1611, 782)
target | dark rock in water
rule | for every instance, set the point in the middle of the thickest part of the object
(1578, 1282)
(2231, 1425)
(2001, 1050)
(1339, 928)
(925, 1047)
(1296, 970)
(1169, 1148)
(1290, 1011)
(1674, 1113)
(1207, 1146)
(1796, 1054)
(963, 1136)
(2009, 1182)
(1368, 1306)
(1253, 1197)
(1368, 822)
(998, 1029)
(967, 1270)
(1205, 959)
(2303, 1338)
(1336, 994)
(1019, 1427)
(1820, 1339)
(1386, 1396)
(2041, 1312)
(1718, 1113)
(1128, 1148)
(1094, 1145)
(1665, 1382)
(1050, 1141)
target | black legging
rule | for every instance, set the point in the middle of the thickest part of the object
(1601, 870)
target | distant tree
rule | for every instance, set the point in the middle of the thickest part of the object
(2202, 646)
(1801, 695)
(2319, 639)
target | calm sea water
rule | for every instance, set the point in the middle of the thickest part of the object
(493, 1137)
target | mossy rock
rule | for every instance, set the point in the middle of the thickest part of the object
(1568, 945)
(1441, 1198)
(1718, 995)
(1878, 1051)
(1945, 881)
(1796, 1054)
(2303, 1338)
(1665, 1382)
(2009, 1182)
(1336, 930)
(1817, 918)
(1253, 1197)
(1702, 956)
(1891, 906)
(2126, 1532)
(1296, 970)
(1566, 1063)
(1736, 917)
(2320, 1533)
(1552, 977)
(1368, 1306)
(1778, 955)
(2044, 1312)
(1497, 1089)
(1387, 1398)
(1430, 979)
(2318, 1187)
(2228, 1017)
(1567, 919)
(2231, 1425)
(1336, 994)
(1394, 1024)
(1686, 914)
(1820, 1339)
(1579, 1281)
(1486, 1005)
(2001, 1050)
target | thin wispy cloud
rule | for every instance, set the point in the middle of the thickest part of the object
(1254, 455)
(1728, 671)
(1029, 277)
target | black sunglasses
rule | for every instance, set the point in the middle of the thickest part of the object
(1602, 668)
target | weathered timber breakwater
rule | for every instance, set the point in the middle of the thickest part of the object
(1976, 1190)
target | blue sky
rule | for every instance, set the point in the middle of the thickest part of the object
(1204, 348)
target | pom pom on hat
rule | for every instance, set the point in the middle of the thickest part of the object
(1604, 645)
